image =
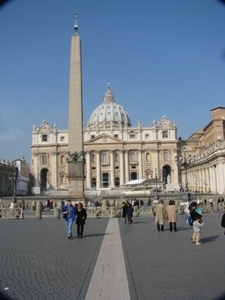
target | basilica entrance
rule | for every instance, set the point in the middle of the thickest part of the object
(105, 180)
(166, 174)
(133, 176)
(43, 179)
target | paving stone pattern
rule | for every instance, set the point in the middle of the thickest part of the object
(39, 262)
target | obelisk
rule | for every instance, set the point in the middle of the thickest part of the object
(75, 131)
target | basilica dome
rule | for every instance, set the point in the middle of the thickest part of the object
(109, 113)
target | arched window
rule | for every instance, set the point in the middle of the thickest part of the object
(133, 156)
(147, 157)
(44, 159)
(166, 156)
(93, 158)
(117, 157)
(62, 159)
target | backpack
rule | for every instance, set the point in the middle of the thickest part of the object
(189, 220)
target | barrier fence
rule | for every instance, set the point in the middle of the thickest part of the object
(104, 211)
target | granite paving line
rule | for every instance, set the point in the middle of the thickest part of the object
(109, 279)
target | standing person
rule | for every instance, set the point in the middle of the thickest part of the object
(69, 214)
(172, 215)
(80, 220)
(130, 210)
(124, 214)
(197, 224)
(194, 211)
(223, 222)
(160, 215)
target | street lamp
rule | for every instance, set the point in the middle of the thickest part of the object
(185, 162)
(156, 179)
(15, 179)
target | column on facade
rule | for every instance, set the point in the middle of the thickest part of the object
(98, 169)
(203, 180)
(212, 179)
(175, 171)
(220, 175)
(112, 169)
(127, 177)
(200, 184)
(156, 162)
(208, 180)
(88, 168)
(140, 164)
(54, 178)
(36, 169)
(121, 168)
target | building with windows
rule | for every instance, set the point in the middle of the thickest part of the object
(115, 152)
(14, 178)
(206, 147)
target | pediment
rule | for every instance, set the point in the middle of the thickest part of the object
(103, 139)
(44, 128)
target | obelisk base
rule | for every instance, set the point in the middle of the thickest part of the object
(76, 181)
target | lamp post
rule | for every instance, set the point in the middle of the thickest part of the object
(15, 178)
(185, 162)
(156, 179)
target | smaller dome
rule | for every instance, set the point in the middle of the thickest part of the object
(109, 113)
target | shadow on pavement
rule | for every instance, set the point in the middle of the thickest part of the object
(209, 239)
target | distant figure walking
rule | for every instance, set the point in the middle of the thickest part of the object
(69, 215)
(172, 215)
(160, 215)
(80, 220)
(130, 210)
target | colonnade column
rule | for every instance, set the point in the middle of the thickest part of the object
(121, 168)
(98, 169)
(140, 164)
(126, 167)
(112, 169)
(53, 180)
(88, 169)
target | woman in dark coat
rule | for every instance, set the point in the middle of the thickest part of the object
(129, 212)
(124, 215)
(223, 221)
(80, 220)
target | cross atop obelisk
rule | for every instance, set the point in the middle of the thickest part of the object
(76, 13)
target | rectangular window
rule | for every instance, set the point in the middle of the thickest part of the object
(132, 136)
(62, 138)
(165, 134)
(44, 138)
(147, 136)
(116, 136)
(92, 136)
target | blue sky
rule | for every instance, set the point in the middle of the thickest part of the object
(162, 57)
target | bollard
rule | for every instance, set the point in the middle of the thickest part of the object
(38, 212)
(56, 213)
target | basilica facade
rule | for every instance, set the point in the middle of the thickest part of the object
(115, 152)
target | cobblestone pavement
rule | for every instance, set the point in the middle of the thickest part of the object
(39, 262)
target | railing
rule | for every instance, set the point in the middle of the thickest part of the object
(11, 213)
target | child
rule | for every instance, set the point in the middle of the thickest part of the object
(197, 224)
